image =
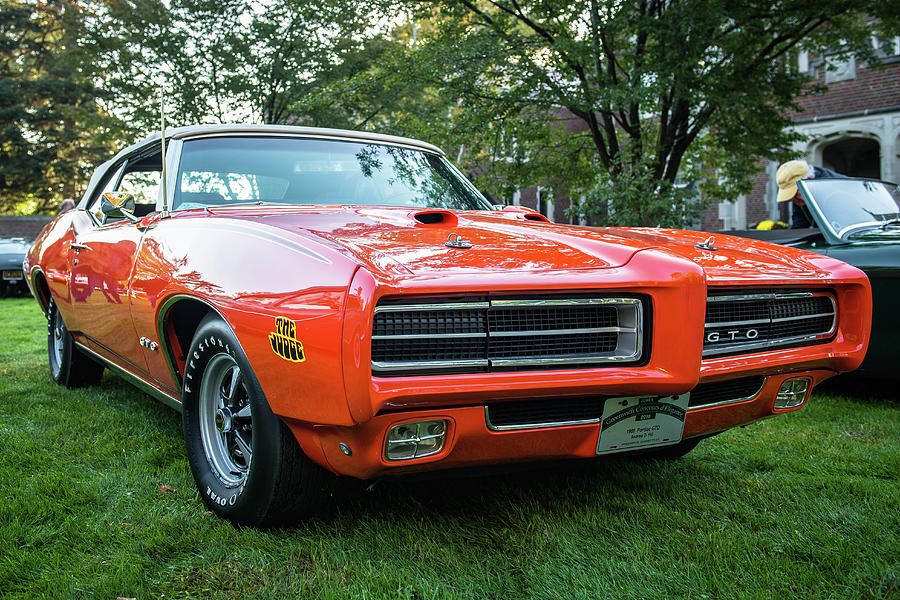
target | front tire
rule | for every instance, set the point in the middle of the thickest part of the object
(69, 366)
(246, 463)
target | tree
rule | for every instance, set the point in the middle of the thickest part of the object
(631, 97)
(224, 60)
(53, 129)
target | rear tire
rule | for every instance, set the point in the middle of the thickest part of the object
(246, 462)
(69, 366)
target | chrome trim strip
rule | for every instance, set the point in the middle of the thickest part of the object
(446, 306)
(567, 360)
(492, 427)
(801, 317)
(428, 364)
(731, 400)
(420, 438)
(767, 296)
(136, 381)
(427, 336)
(499, 334)
(766, 321)
(562, 302)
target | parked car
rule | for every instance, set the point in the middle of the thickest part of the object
(857, 221)
(12, 253)
(318, 301)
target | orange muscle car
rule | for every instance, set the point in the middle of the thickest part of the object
(321, 302)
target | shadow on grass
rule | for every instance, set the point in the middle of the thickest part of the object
(514, 493)
(860, 389)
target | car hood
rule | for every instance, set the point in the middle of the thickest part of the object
(736, 260)
(405, 241)
(416, 240)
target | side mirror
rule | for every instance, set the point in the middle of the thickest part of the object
(117, 205)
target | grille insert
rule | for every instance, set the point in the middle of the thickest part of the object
(480, 335)
(562, 412)
(725, 392)
(741, 323)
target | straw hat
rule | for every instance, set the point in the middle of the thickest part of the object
(787, 176)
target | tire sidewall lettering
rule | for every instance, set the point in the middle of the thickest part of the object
(225, 500)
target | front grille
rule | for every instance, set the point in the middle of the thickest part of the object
(741, 322)
(560, 412)
(725, 392)
(504, 334)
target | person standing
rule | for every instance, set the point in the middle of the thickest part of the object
(787, 177)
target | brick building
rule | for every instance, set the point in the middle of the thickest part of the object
(853, 128)
(25, 227)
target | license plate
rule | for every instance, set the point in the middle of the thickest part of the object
(641, 422)
(12, 275)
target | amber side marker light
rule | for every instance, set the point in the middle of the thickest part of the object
(792, 393)
(415, 440)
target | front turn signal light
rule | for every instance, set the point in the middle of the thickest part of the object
(415, 440)
(792, 393)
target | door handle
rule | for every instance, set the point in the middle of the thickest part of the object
(78, 246)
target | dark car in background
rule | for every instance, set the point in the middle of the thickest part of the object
(858, 222)
(12, 253)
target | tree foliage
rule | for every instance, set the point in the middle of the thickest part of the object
(635, 94)
(53, 128)
(225, 60)
(623, 102)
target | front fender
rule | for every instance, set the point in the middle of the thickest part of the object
(283, 297)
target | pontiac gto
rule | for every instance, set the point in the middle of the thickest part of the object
(321, 302)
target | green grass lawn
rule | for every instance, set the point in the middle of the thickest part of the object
(803, 506)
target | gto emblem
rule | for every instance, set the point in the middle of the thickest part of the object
(284, 340)
(732, 335)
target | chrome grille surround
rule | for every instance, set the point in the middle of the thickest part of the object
(505, 334)
(743, 322)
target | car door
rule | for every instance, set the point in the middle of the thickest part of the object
(102, 261)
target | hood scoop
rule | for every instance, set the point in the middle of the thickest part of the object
(435, 218)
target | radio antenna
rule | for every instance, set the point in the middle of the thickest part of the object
(162, 135)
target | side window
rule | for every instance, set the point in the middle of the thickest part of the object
(144, 187)
(140, 176)
(108, 185)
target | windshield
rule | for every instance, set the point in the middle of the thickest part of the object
(239, 170)
(850, 204)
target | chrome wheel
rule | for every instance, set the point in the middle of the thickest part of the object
(56, 334)
(226, 422)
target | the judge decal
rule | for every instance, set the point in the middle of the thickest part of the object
(284, 340)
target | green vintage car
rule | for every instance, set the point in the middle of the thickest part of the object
(857, 221)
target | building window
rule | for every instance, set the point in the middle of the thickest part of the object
(839, 69)
(889, 48)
